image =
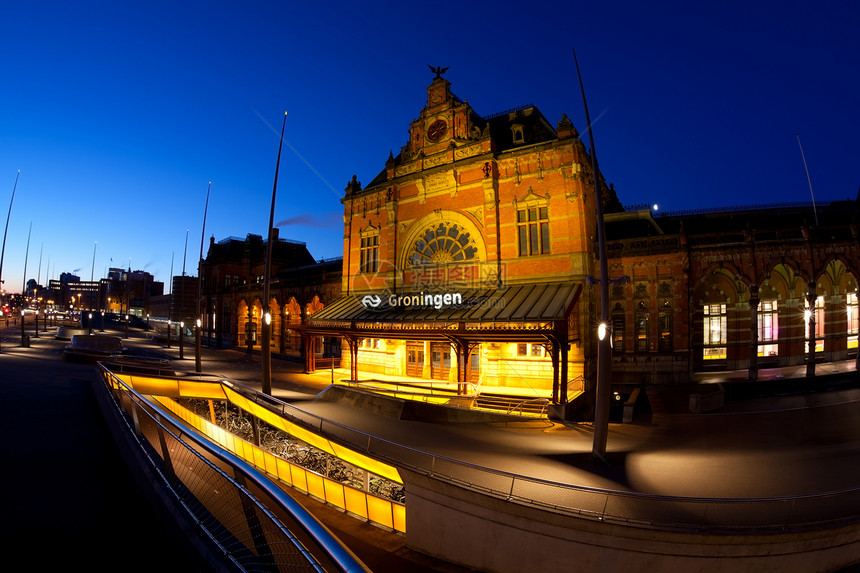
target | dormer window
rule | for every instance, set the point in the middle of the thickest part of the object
(517, 133)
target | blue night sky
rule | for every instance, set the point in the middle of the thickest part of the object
(118, 114)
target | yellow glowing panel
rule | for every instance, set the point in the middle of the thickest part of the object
(375, 509)
(334, 493)
(284, 472)
(195, 389)
(399, 513)
(379, 511)
(270, 463)
(346, 454)
(316, 486)
(355, 501)
(366, 463)
(157, 386)
(300, 477)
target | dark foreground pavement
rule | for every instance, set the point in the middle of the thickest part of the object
(68, 500)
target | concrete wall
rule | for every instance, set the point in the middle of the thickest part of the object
(493, 535)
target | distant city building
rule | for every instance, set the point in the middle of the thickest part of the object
(121, 292)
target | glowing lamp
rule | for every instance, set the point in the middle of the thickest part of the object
(601, 331)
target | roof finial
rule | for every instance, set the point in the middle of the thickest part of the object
(438, 70)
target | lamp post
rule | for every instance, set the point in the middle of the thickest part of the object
(266, 347)
(90, 321)
(199, 283)
(126, 326)
(809, 314)
(102, 329)
(23, 334)
(197, 367)
(181, 340)
(169, 326)
(8, 215)
(603, 391)
(36, 324)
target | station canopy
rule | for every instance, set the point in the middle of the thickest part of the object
(524, 312)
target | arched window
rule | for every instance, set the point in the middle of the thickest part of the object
(443, 243)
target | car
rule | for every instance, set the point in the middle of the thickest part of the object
(6, 310)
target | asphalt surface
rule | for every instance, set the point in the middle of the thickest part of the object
(757, 447)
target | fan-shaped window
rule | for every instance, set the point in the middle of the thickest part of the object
(443, 243)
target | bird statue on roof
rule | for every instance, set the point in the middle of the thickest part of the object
(438, 71)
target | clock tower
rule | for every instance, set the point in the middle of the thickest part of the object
(445, 121)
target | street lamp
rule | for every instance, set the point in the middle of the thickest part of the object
(90, 321)
(266, 348)
(103, 322)
(126, 326)
(197, 346)
(169, 326)
(181, 340)
(603, 394)
(36, 324)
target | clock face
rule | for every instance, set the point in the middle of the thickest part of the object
(437, 130)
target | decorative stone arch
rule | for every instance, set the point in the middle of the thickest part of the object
(836, 278)
(720, 284)
(839, 287)
(442, 237)
(783, 281)
(314, 305)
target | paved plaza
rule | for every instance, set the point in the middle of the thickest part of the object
(72, 489)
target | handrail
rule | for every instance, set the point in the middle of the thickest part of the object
(663, 511)
(326, 542)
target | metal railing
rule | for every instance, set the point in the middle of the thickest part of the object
(724, 515)
(256, 525)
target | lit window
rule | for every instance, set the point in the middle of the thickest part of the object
(444, 243)
(852, 319)
(664, 323)
(618, 333)
(533, 231)
(819, 325)
(641, 332)
(370, 254)
(522, 349)
(768, 329)
(537, 350)
(715, 329)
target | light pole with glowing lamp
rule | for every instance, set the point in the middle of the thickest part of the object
(8, 215)
(603, 392)
(266, 348)
(199, 322)
(197, 366)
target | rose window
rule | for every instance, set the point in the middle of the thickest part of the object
(443, 244)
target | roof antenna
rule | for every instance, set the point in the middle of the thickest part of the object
(808, 179)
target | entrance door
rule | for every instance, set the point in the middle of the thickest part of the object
(415, 360)
(440, 361)
(475, 365)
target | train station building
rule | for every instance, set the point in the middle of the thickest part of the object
(471, 258)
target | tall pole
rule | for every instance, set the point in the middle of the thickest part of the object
(93, 270)
(170, 300)
(808, 179)
(266, 350)
(603, 392)
(8, 216)
(199, 283)
(26, 257)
